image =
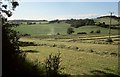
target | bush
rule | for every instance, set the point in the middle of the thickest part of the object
(91, 50)
(26, 35)
(81, 33)
(109, 40)
(113, 54)
(98, 31)
(52, 65)
(58, 33)
(70, 30)
(26, 43)
(92, 31)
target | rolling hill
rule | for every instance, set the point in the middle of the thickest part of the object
(54, 28)
(106, 19)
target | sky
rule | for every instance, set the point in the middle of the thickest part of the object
(63, 10)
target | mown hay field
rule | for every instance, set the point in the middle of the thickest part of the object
(76, 62)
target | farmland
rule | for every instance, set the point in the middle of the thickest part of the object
(53, 29)
(43, 29)
(76, 61)
(81, 54)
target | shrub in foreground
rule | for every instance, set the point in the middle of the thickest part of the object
(52, 65)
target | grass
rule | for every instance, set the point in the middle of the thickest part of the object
(43, 29)
(75, 63)
(90, 28)
(53, 29)
(83, 46)
(107, 20)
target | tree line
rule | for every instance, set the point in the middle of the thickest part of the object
(81, 22)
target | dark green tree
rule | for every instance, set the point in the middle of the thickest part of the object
(70, 30)
(14, 63)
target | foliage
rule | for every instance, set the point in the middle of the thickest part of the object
(92, 31)
(46, 29)
(81, 22)
(106, 19)
(102, 25)
(98, 31)
(54, 21)
(109, 40)
(14, 61)
(81, 33)
(10, 37)
(52, 65)
(30, 23)
(58, 33)
(78, 63)
(70, 30)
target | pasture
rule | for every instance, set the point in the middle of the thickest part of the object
(54, 28)
(83, 60)
(43, 29)
(107, 20)
(81, 54)
(75, 63)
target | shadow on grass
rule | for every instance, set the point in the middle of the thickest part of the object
(30, 51)
(18, 66)
(96, 73)
(99, 73)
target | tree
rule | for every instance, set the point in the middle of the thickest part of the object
(98, 31)
(10, 47)
(89, 22)
(14, 62)
(92, 31)
(70, 30)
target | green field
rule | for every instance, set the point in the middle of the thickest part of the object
(92, 55)
(75, 62)
(107, 20)
(43, 29)
(53, 29)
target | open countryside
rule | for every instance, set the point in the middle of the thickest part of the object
(60, 39)
(86, 51)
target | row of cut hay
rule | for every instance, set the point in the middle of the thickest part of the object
(75, 48)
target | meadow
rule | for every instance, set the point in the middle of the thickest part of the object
(54, 28)
(75, 63)
(81, 54)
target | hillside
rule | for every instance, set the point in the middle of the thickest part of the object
(54, 28)
(61, 27)
(106, 19)
(43, 29)
(114, 17)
